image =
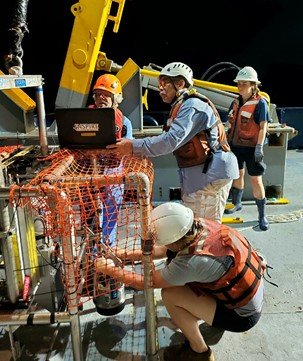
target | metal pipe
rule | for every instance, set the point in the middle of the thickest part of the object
(34, 192)
(6, 246)
(34, 318)
(71, 289)
(76, 337)
(60, 169)
(41, 121)
(71, 284)
(15, 346)
(150, 307)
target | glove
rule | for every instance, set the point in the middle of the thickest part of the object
(259, 153)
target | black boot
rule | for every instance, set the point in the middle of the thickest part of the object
(263, 222)
(236, 200)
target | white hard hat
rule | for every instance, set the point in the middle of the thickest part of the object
(170, 222)
(178, 69)
(247, 74)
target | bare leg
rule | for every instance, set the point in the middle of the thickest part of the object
(257, 187)
(186, 309)
(239, 183)
(259, 194)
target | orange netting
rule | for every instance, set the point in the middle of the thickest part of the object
(90, 203)
(7, 151)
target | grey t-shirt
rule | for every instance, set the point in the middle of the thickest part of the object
(191, 268)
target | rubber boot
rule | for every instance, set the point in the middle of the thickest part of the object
(236, 200)
(263, 222)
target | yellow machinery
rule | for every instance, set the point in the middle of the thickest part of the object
(84, 57)
(91, 18)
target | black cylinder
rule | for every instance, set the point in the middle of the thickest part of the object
(112, 297)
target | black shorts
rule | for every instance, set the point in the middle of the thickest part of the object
(246, 156)
(229, 320)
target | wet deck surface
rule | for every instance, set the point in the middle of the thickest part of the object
(277, 336)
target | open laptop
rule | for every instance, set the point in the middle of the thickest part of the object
(85, 128)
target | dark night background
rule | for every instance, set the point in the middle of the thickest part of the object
(268, 36)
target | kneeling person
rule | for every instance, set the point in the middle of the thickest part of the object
(215, 276)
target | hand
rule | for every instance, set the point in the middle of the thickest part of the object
(122, 147)
(259, 153)
(104, 264)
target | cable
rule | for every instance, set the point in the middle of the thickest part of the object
(230, 65)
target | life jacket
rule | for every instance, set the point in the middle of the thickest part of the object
(119, 124)
(244, 130)
(199, 149)
(241, 281)
(120, 128)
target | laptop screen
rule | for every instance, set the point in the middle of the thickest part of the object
(85, 128)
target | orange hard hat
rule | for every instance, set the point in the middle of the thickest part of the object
(110, 83)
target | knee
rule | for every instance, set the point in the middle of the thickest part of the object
(242, 173)
(163, 293)
(256, 181)
(166, 294)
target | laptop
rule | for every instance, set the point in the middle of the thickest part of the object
(85, 128)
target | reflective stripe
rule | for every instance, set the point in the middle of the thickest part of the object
(246, 114)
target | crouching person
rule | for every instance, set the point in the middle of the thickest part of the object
(215, 276)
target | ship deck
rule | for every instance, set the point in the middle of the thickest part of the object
(123, 336)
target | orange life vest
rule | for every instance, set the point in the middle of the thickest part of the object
(240, 283)
(244, 130)
(118, 121)
(198, 150)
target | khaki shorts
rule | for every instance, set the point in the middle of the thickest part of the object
(210, 201)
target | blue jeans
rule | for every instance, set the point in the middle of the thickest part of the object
(111, 206)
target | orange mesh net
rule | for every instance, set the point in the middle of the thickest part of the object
(7, 151)
(90, 202)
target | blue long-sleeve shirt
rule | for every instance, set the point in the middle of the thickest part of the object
(129, 128)
(193, 117)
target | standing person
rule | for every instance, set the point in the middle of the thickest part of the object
(107, 93)
(216, 276)
(196, 136)
(247, 120)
